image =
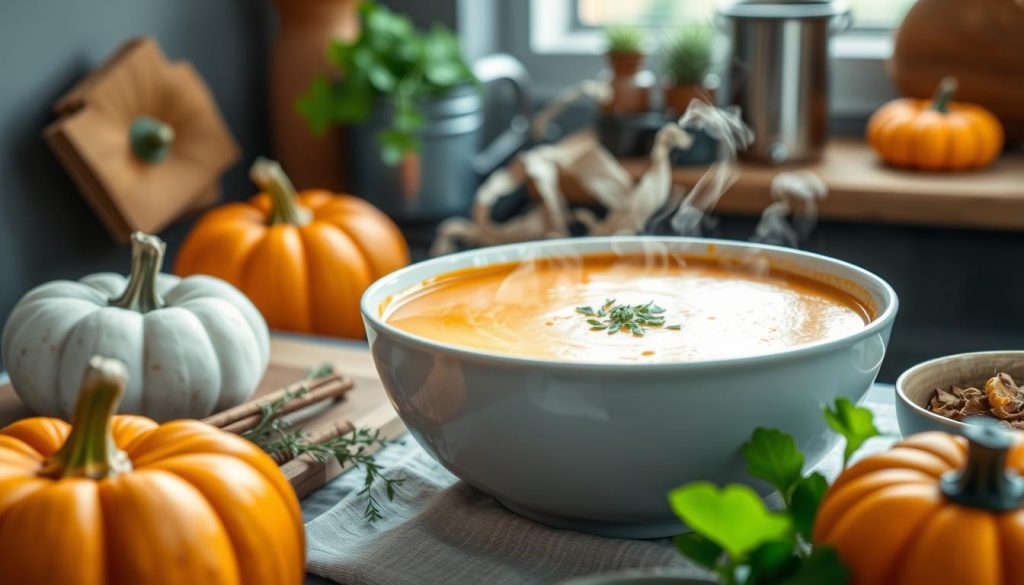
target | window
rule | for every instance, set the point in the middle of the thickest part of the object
(561, 43)
(868, 14)
(574, 26)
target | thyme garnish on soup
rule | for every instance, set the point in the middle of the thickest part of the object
(613, 317)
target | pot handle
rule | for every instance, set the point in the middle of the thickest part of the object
(504, 67)
(720, 22)
(841, 22)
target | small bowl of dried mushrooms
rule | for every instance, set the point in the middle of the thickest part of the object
(938, 395)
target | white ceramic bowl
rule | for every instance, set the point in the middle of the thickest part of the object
(915, 387)
(596, 447)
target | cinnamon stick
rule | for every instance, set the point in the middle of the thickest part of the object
(246, 416)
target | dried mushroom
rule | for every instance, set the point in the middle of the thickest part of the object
(959, 403)
(1002, 399)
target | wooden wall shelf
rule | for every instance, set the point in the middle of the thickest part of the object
(863, 190)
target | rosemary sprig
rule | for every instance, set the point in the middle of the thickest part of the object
(323, 370)
(613, 318)
(276, 437)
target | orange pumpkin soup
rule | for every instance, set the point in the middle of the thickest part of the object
(605, 308)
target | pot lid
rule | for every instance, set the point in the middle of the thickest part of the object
(782, 9)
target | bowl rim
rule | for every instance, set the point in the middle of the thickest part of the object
(880, 323)
(924, 412)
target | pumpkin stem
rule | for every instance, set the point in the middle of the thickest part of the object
(147, 259)
(944, 94)
(151, 139)
(270, 178)
(90, 450)
(985, 482)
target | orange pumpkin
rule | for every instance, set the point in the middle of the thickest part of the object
(936, 134)
(934, 509)
(303, 259)
(121, 500)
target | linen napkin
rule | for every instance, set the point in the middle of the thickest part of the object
(440, 530)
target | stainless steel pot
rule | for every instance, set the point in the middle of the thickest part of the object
(779, 73)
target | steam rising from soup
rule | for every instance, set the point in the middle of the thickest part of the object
(722, 308)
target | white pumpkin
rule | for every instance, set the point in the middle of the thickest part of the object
(193, 346)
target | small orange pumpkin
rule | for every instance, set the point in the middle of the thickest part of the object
(303, 259)
(122, 500)
(933, 509)
(936, 134)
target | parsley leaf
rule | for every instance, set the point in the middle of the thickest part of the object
(317, 105)
(698, 549)
(773, 456)
(854, 423)
(807, 496)
(821, 567)
(772, 561)
(632, 318)
(733, 517)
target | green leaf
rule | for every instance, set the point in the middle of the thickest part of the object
(734, 517)
(363, 59)
(772, 560)
(354, 99)
(317, 105)
(803, 506)
(381, 77)
(407, 117)
(855, 423)
(821, 567)
(773, 456)
(444, 74)
(394, 145)
(339, 53)
(366, 7)
(698, 549)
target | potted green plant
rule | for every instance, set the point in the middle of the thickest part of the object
(630, 83)
(400, 88)
(686, 60)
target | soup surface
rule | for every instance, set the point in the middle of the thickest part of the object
(536, 309)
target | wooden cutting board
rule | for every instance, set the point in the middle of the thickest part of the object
(291, 359)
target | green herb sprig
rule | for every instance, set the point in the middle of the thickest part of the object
(624, 39)
(613, 318)
(276, 436)
(389, 59)
(688, 56)
(739, 539)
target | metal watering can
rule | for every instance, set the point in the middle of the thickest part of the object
(441, 179)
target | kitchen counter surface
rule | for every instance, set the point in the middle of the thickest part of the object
(864, 190)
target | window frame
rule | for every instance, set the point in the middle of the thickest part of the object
(557, 55)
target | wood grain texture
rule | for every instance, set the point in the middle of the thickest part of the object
(864, 190)
(291, 358)
(91, 139)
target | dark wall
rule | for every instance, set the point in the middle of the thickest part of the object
(46, 229)
(959, 290)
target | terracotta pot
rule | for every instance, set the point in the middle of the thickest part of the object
(631, 84)
(678, 97)
(977, 41)
(306, 28)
